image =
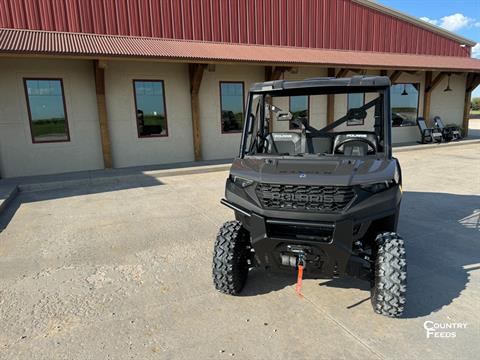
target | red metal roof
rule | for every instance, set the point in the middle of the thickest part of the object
(321, 24)
(100, 46)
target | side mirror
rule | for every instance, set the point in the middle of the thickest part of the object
(284, 116)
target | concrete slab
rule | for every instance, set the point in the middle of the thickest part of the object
(124, 271)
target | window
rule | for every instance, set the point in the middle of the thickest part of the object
(299, 107)
(404, 100)
(46, 110)
(150, 111)
(231, 104)
(355, 100)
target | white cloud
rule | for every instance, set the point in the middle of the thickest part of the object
(431, 21)
(476, 51)
(455, 22)
(452, 22)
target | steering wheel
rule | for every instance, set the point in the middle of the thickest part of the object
(349, 140)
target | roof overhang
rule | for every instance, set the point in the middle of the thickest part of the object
(49, 43)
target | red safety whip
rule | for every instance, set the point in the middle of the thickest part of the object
(298, 288)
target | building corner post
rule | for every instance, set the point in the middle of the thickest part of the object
(99, 74)
(427, 95)
(330, 100)
(472, 81)
(196, 75)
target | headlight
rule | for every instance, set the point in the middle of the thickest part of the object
(396, 176)
(376, 188)
(240, 181)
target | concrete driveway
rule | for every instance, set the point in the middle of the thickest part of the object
(124, 272)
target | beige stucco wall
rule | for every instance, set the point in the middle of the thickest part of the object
(127, 148)
(18, 155)
(449, 105)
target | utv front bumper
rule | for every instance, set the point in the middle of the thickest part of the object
(326, 238)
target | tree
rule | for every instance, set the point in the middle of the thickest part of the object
(476, 103)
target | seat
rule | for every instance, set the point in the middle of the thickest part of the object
(285, 143)
(427, 134)
(319, 145)
(449, 133)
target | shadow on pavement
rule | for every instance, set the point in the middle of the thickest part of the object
(442, 234)
(113, 184)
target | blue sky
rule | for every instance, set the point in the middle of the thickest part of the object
(460, 16)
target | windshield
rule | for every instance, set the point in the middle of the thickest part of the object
(302, 125)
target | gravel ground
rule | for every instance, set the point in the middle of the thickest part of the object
(124, 272)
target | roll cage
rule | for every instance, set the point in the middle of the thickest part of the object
(257, 121)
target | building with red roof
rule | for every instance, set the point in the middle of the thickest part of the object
(90, 84)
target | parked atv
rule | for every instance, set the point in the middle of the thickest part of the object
(321, 200)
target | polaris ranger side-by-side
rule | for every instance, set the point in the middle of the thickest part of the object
(323, 198)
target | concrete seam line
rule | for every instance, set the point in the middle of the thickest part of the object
(319, 309)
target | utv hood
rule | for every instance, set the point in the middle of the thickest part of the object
(335, 171)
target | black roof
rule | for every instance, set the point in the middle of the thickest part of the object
(323, 83)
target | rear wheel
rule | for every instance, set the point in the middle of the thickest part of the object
(231, 258)
(388, 293)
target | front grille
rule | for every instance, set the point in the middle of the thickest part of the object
(304, 197)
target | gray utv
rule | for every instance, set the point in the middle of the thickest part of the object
(326, 196)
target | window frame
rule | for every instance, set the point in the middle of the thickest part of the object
(136, 109)
(30, 122)
(418, 100)
(363, 120)
(290, 127)
(221, 104)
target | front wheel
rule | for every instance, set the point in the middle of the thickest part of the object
(388, 293)
(231, 258)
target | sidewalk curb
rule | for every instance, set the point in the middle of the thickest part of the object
(11, 194)
(117, 179)
(435, 146)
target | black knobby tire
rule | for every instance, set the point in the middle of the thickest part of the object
(230, 258)
(389, 289)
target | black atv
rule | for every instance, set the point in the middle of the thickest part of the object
(324, 200)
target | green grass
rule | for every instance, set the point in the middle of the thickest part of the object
(404, 109)
(49, 127)
(152, 120)
(475, 112)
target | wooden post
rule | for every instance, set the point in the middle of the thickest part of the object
(427, 95)
(395, 75)
(99, 74)
(430, 85)
(330, 100)
(196, 74)
(466, 112)
(342, 73)
(473, 80)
